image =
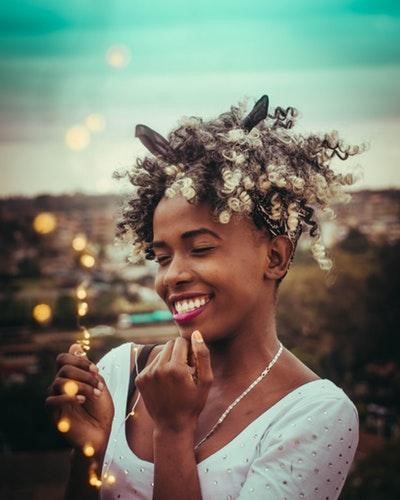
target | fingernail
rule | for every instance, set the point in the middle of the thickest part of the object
(197, 336)
(100, 386)
(96, 392)
(80, 398)
(93, 368)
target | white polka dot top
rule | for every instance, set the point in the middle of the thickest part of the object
(302, 447)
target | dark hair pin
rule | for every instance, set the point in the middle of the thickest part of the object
(258, 113)
(155, 142)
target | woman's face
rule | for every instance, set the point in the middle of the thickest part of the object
(210, 275)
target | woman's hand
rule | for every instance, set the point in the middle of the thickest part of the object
(175, 388)
(89, 412)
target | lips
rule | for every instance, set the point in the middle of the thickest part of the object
(184, 317)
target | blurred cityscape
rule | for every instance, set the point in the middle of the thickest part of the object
(65, 278)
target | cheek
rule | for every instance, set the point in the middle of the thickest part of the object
(158, 286)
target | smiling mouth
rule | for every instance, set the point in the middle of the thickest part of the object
(188, 309)
(189, 305)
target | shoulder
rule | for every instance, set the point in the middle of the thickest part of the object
(318, 412)
(308, 444)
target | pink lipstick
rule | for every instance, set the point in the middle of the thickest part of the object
(185, 317)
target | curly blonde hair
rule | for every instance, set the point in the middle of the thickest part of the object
(265, 171)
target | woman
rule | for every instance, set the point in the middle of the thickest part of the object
(224, 411)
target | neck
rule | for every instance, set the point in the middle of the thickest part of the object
(245, 353)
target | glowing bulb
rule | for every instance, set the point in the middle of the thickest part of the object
(87, 260)
(42, 313)
(83, 308)
(71, 388)
(95, 122)
(64, 425)
(118, 56)
(77, 138)
(44, 223)
(110, 479)
(81, 293)
(79, 242)
(88, 450)
(86, 334)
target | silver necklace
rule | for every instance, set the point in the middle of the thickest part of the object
(263, 374)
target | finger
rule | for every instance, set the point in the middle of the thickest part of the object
(180, 351)
(70, 359)
(165, 354)
(72, 388)
(203, 361)
(76, 350)
(64, 399)
(74, 373)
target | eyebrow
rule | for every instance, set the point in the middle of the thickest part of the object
(187, 235)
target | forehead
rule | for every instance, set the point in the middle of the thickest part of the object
(174, 216)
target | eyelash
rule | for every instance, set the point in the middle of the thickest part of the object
(199, 250)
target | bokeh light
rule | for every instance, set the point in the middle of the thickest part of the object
(42, 313)
(88, 450)
(95, 122)
(81, 293)
(79, 242)
(44, 223)
(77, 138)
(83, 308)
(87, 260)
(64, 425)
(118, 56)
(71, 388)
(110, 479)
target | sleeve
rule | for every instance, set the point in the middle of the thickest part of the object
(306, 454)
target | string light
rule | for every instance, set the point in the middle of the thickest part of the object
(81, 293)
(64, 425)
(87, 260)
(83, 308)
(88, 450)
(79, 242)
(71, 388)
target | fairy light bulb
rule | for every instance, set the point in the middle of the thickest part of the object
(81, 293)
(79, 242)
(88, 450)
(111, 479)
(87, 260)
(71, 388)
(83, 308)
(64, 425)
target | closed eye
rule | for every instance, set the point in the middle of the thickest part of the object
(161, 259)
(200, 250)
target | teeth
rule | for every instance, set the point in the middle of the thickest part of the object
(184, 306)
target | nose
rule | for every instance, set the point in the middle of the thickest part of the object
(177, 273)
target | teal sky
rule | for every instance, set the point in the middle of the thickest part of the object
(337, 61)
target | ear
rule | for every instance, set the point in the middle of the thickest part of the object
(279, 255)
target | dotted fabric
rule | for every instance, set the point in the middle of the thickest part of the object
(302, 447)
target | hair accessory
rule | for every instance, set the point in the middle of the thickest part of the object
(155, 142)
(258, 113)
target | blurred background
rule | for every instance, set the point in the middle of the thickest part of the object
(75, 79)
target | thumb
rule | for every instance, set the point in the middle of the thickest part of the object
(203, 361)
(77, 350)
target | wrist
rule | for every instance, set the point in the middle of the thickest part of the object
(165, 433)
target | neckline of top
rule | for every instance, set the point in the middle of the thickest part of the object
(266, 413)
